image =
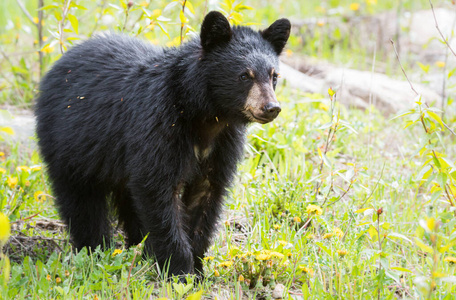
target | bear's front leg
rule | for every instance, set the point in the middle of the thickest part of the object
(162, 216)
(203, 199)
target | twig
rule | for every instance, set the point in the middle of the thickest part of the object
(182, 23)
(438, 29)
(66, 7)
(25, 11)
(40, 35)
(413, 89)
(375, 187)
(97, 21)
(341, 196)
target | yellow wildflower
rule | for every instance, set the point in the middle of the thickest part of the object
(297, 219)
(216, 273)
(354, 6)
(207, 258)
(22, 169)
(277, 254)
(5, 228)
(12, 182)
(35, 168)
(95, 297)
(226, 264)
(36, 20)
(144, 4)
(264, 255)
(117, 251)
(328, 235)
(288, 52)
(338, 232)
(314, 209)
(3, 171)
(306, 270)
(39, 196)
(2, 153)
(27, 183)
(48, 277)
(282, 243)
(371, 2)
(58, 280)
(440, 64)
(241, 278)
(311, 236)
(321, 23)
(450, 259)
(276, 226)
(67, 273)
(47, 49)
(342, 252)
(320, 9)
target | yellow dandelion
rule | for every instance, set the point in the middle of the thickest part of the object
(117, 251)
(3, 171)
(289, 254)
(342, 252)
(314, 209)
(67, 273)
(282, 243)
(371, 2)
(48, 277)
(27, 183)
(12, 182)
(328, 236)
(450, 259)
(2, 154)
(216, 273)
(276, 226)
(311, 236)
(241, 278)
(321, 23)
(277, 255)
(156, 13)
(58, 280)
(144, 4)
(307, 270)
(35, 168)
(5, 228)
(440, 64)
(354, 6)
(263, 256)
(226, 264)
(39, 196)
(22, 169)
(95, 297)
(47, 49)
(288, 52)
(297, 219)
(338, 232)
(45, 38)
(207, 258)
(36, 20)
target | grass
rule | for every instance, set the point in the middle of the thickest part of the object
(269, 233)
(330, 202)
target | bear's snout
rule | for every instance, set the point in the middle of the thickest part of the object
(271, 110)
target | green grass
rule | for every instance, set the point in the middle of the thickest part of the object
(386, 193)
(267, 233)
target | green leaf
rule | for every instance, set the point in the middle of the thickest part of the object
(423, 246)
(401, 269)
(74, 23)
(425, 68)
(8, 130)
(399, 236)
(196, 296)
(373, 233)
(435, 117)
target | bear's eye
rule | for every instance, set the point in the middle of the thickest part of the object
(244, 77)
(274, 79)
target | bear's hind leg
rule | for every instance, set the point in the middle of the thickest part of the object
(85, 211)
(128, 217)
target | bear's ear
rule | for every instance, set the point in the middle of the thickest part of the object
(277, 34)
(215, 31)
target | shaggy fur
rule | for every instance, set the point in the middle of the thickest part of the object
(156, 132)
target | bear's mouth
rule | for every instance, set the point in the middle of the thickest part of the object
(255, 118)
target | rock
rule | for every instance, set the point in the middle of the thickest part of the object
(278, 291)
(358, 88)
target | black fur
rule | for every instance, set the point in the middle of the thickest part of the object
(157, 131)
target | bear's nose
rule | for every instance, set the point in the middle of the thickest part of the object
(272, 109)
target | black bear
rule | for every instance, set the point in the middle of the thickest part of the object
(155, 132)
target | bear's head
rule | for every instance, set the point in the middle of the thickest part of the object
(242, 67)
